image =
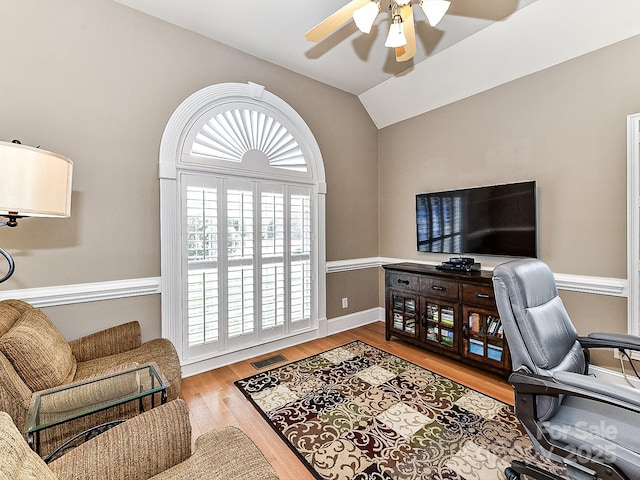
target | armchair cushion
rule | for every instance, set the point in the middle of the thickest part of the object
(10, 311)
(17, 460)
(159, 350)
(38, 351)
(52, 406)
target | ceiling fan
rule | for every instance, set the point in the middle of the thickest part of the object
(402, 34)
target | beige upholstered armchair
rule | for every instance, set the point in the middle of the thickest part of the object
(155, 444)
(35, 356)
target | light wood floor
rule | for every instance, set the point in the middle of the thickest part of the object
(214, 401)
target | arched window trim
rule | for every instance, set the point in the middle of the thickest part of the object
(173, 161)
(195, 160)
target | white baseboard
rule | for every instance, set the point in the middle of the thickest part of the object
(326, 327)
(353, 320)
(246, 353)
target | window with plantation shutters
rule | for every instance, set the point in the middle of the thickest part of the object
(249, 260)
(202, 255)
(242, 197)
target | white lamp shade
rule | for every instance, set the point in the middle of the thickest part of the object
(434, 10)
(34, 182)
(365, 16)
(396, 37)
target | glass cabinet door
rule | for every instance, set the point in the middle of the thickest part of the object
(404, 312)
(483, 336)
(439, 323)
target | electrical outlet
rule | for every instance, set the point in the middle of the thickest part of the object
(345, 302)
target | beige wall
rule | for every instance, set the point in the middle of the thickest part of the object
(360, 287)
(97, 82)
(597, 313)
(564, 127)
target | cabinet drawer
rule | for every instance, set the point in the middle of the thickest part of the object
(434, 287)
(404, 281)
(478, 295)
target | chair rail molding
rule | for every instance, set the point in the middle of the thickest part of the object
(111, 290)
(616, 287)
(84, 292)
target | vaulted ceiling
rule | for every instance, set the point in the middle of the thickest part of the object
(479, 44)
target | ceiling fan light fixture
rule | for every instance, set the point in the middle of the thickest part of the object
(434, 10)
(365, 16)
(396, 37)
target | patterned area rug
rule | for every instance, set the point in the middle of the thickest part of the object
(356, 412)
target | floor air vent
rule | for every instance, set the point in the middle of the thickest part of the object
(267, 362)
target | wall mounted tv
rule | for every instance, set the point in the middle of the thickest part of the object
(492, 220)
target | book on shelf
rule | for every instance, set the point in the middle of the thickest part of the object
(476, 347)
(494, 352)
(410, 326)
(446, 336)
(494, 326)
(432, 312)
(447, 316)
(410, 306)
(474, 322)
(398, 321)
(432, 333)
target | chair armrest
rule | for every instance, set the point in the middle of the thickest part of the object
(610, 340)
(578, 385)
(624, 393)
(223, 454)
(80, 395)
(118, 339)
(15, 396)
(140, 447)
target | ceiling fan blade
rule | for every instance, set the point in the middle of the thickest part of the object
(407, 51)
(334, 21)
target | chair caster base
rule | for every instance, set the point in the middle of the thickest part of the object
(511, 474)
(518, 468)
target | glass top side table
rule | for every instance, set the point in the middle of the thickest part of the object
(65, 403)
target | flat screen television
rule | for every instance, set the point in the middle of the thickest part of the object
(491, 220)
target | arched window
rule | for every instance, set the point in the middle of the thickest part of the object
(242, 221)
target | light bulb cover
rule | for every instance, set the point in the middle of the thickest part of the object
(434, 10)
(365, 16)
(396, 37)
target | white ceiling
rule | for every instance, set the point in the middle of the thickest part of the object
(479, 44)
(347, 59)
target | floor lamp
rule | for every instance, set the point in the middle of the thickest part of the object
(33, 183)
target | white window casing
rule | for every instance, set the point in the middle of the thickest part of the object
(242, 222)
(633, 223)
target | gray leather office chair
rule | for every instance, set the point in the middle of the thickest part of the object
(591, 426)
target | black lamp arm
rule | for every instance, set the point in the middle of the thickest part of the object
(12, 221)
(12, 265)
